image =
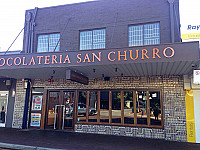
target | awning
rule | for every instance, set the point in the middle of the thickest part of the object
(164, 59)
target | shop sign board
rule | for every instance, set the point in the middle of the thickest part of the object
(37, 102)
(192, 32)
(35, 119)
(136, 54)
(196, 75)
(74, 76)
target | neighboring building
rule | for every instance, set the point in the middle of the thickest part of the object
(7, 94)
(190, 27)
(108, 67)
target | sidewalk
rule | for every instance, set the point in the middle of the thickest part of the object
(49, 140)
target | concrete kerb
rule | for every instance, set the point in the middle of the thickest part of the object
(25, 147)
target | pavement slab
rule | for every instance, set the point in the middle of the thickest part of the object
(35, 139)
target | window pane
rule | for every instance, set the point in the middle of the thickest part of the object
(53, 40)
(141, 107)
(69, 109)
(151, 34)
(3, 106)
(104, 106)
(85, 40)
(47, 43)
(128, 108)
(136, 35)
(94, 39)
(53, 101)
(42, 43)
(155, 109)
(99, 39)
(116, 107)
(92, 107)
(82, 106)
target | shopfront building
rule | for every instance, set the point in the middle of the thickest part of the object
(102, 67)
(7, 100)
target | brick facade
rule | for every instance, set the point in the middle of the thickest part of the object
(173, 104)
(19, 105)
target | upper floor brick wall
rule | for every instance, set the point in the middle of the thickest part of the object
(114, 15)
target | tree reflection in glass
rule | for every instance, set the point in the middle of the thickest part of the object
(116, 107)
(82, 106)
(141, 107)
(104, 106)
(92, 107)
(155, 109)
(128, 107)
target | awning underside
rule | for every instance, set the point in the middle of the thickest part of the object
(134, 69)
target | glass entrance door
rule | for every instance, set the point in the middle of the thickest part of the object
(60, 110)
(69, 98)
(3, 107)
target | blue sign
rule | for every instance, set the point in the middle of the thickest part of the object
(191, 27)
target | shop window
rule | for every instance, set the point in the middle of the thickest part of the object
(116, 107)
(82, 106)
(92, 111)
(121, 107)
(104, 106)
(48, 43)
(141, 107)
(128, 107)
(92, 39)
(155, 108)
(53, 101)
(146, 34)
(3, 107)
(36, 107)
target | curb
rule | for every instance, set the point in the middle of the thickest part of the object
(25, 147)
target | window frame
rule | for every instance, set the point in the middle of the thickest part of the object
(48, 42)
(143, 24)
(92, 37)
(122, 108)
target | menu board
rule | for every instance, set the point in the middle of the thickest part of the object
(35, 119)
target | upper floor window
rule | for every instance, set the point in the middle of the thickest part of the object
(93, 39)
(48, 42)
(146, 34)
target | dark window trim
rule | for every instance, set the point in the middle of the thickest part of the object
(130, 25)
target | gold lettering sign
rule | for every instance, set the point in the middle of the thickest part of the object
(90, 57)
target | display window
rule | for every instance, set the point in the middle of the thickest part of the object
(36, 107)
(3, 107)
(121, 107)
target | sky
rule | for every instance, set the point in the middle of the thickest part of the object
(12, 16)
(189, 14)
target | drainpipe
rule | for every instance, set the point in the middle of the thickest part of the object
(171, 3)
(25, 115)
